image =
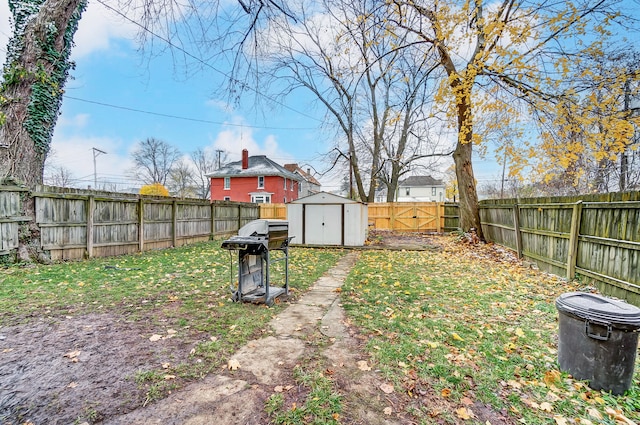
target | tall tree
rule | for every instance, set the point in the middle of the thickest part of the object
(35, 72)
(205, 163)
(509, 45)
(375, 95)
(154, 160)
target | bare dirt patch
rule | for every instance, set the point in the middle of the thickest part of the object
(80, 368)
(385, 239)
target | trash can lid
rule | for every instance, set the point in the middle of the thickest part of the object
(599, 308)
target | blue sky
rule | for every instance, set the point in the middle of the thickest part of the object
(111, 71)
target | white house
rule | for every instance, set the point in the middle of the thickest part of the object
(308, 185)
(420, 189)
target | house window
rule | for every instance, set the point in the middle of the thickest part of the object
(406, 191)
(260, 182)
(227, 198)
(285, 200)
(285, 183)
(433, 191)
(299, 188)
(261, 199)
(227, 183)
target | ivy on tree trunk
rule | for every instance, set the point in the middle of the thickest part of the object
(36, 70)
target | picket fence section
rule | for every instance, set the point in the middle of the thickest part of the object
(401, 216)
(78, 225)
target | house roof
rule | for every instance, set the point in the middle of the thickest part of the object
(420, 181)
(294, 168)
(259, 165)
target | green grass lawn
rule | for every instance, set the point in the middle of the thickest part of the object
(458, 329)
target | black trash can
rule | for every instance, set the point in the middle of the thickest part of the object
(598, 340)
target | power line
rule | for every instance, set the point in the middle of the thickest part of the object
(192, 56)
(160, 114)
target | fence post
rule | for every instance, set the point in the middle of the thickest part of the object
(141, 224)
(572, 254)
(239, 217)
(213, 220)
(438, 217)
(90, 207)
(174, 223)
(516, 227)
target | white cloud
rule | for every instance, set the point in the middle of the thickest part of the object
(98, 29)
(235, 138)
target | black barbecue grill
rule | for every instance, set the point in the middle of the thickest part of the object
(254, 244)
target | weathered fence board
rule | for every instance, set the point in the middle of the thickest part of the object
(596, 237)
(78, 224)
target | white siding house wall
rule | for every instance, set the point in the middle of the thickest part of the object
(420, 194)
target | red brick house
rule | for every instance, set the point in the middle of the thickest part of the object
(254, 179)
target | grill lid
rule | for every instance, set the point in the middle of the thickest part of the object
(263, 227)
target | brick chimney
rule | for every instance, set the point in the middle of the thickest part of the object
(245, 159)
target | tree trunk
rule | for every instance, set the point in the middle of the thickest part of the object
(34, 75)
(462, 157)
(36, 70)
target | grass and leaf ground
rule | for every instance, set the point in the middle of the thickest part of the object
(183, 291)
(469, 334)
(461, 335)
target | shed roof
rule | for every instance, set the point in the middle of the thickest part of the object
(259, 165)
(325, 198)
(421, 181)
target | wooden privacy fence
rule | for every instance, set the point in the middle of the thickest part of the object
(397, 216)
(75, 225)
(597, 237)
(278, 211)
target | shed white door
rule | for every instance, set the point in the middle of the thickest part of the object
(323, 224)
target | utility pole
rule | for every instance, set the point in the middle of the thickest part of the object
(96, 153)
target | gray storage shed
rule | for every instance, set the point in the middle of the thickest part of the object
(327, 219)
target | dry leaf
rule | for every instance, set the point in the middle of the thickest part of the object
(278, 389)
(335, 416)
(72, 354)
(166, 365)
(233, 364)
(618, 416)
(551, 377)
(456, 336)
(464, 413)
(594, 413)
(446, 392)
(362, 365)
(585, 422)
(466, 401)
(72, 385)
(546, 406)
(560, 420)
(155, 337)
(388, 411)
(386, 388)
(169, 377)
(519, 333)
